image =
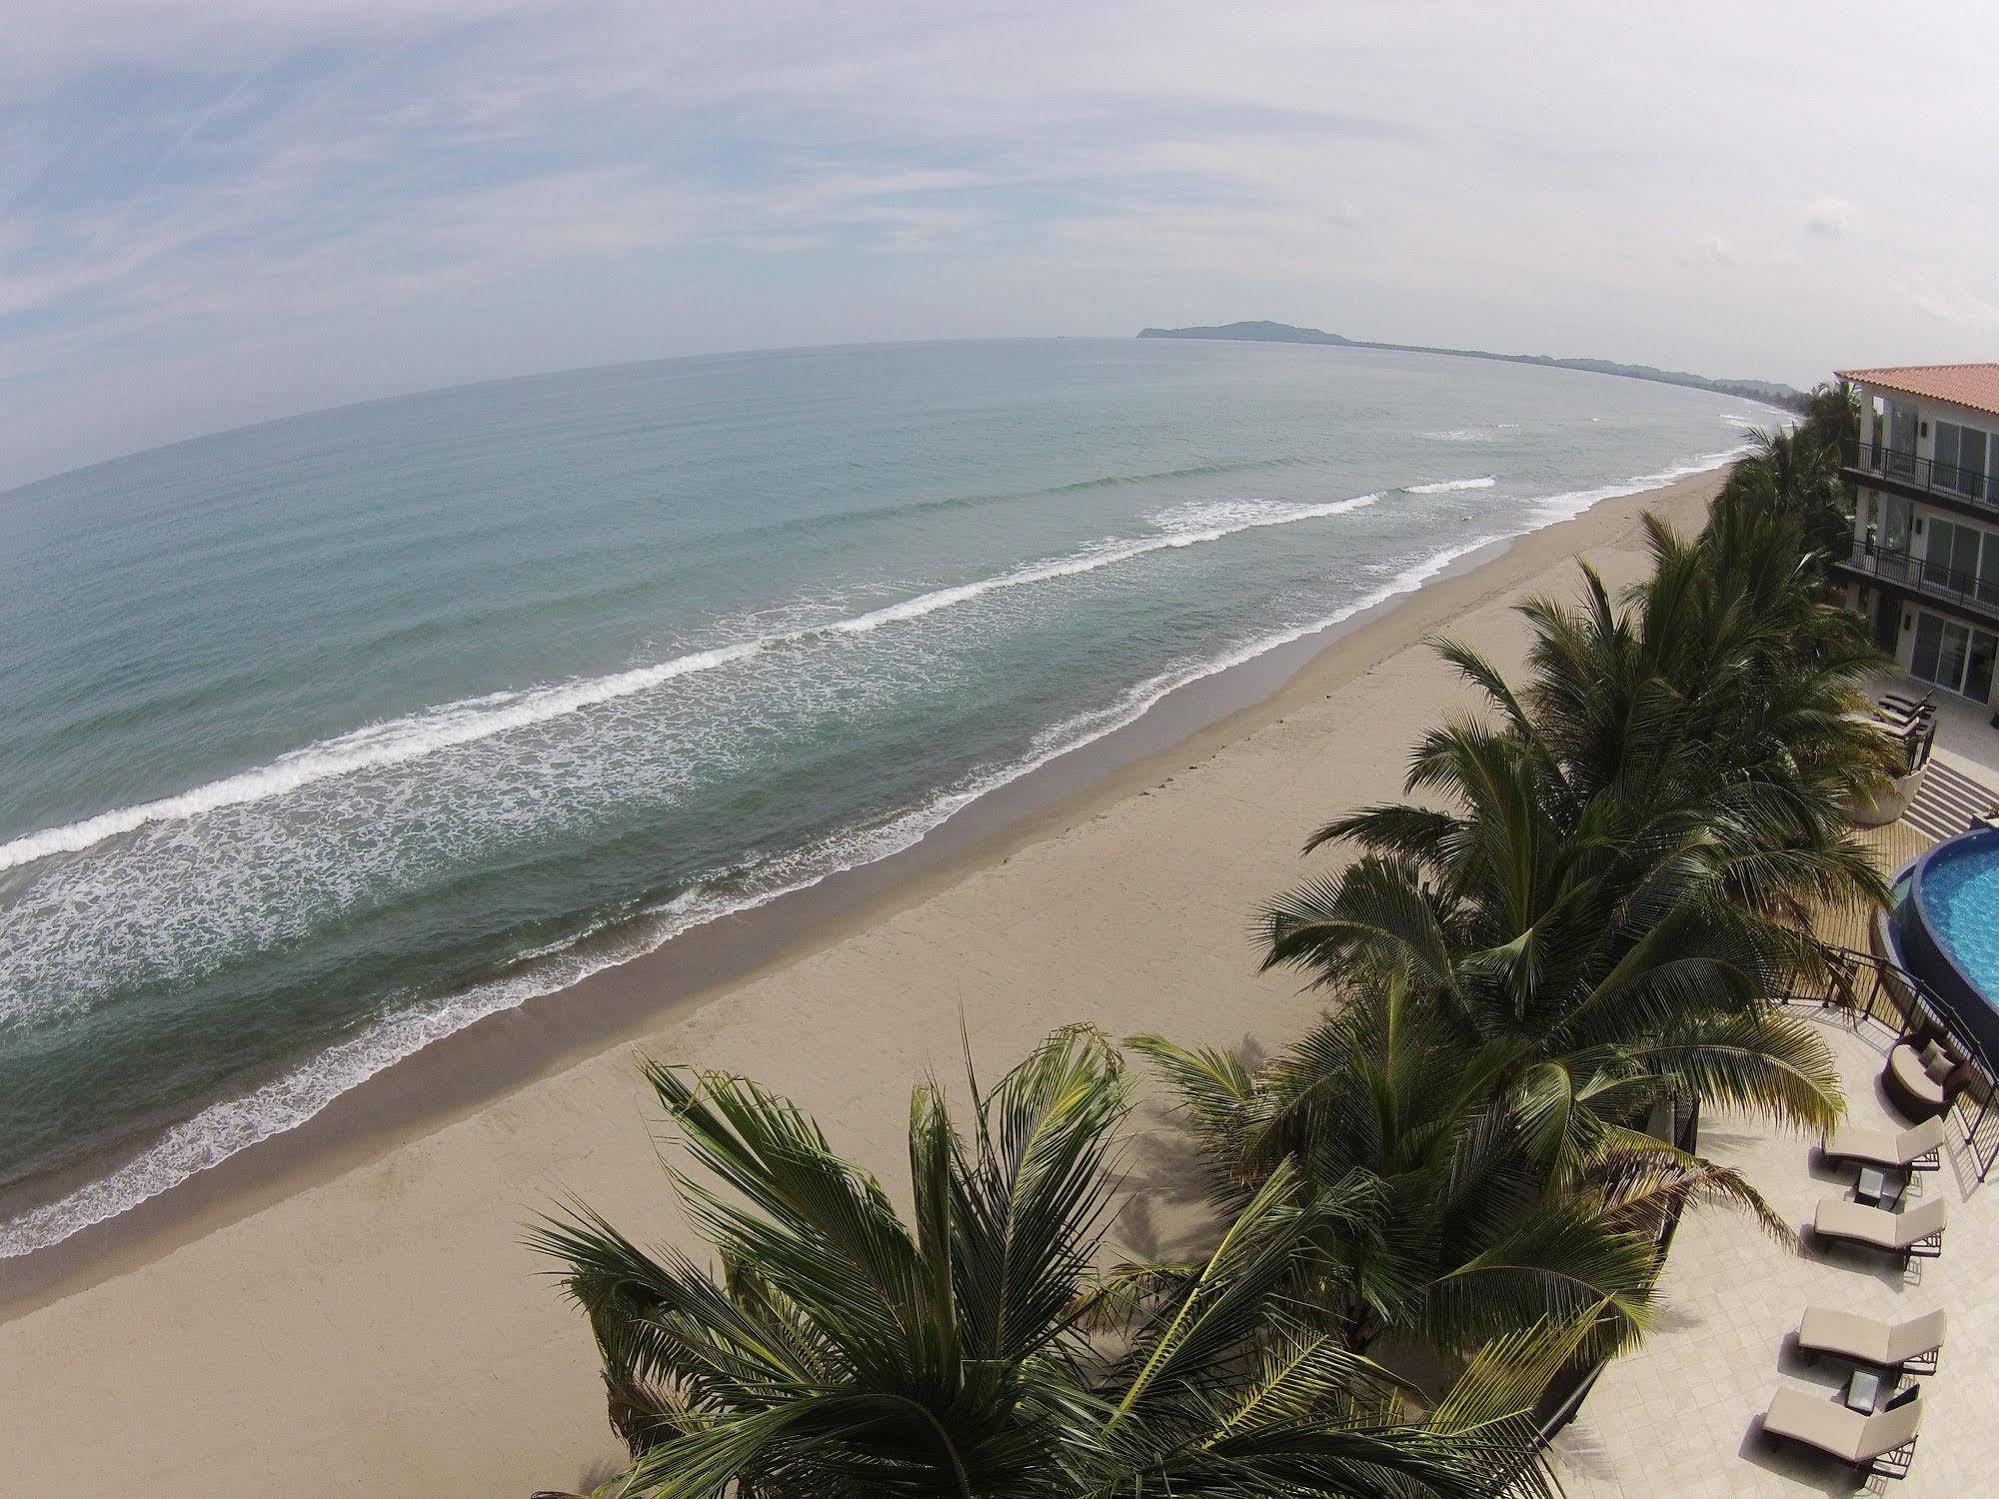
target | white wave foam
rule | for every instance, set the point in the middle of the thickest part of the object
(284, 1104)
(1560, 507)
(1452, 486)
(418, 735)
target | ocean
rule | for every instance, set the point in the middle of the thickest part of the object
(324, 738)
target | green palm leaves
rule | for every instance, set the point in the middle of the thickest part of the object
(973, 1348)
(1569, 939)
(1581, 926)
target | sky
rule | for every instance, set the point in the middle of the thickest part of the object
(215, 212)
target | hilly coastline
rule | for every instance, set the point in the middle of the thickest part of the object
(1284, 333)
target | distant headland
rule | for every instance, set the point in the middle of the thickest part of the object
(1283, 333)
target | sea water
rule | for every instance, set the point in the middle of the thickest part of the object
(321, 739)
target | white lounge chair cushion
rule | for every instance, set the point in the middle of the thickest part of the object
(1839, 1219)
(1886, 1147)
(1831, 1427)
(1826, 1330)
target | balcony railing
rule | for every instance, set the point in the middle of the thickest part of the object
(1925, 474)
(1923, 575)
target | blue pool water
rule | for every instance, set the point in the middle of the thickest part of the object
(1961, 900)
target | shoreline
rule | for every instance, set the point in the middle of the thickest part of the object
(625, 996)
(366, 1267)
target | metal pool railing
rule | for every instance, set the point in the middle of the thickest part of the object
(1867, 987)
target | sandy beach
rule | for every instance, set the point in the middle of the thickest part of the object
(349, 1309)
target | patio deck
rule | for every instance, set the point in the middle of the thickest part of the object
(1682, 1415)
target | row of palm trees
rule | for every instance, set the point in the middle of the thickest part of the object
(1426, 1206)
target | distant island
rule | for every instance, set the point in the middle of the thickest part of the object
(1283, 333)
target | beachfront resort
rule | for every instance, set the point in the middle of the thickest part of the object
(1873, 1343)
(1640, 1147)
(1025, 751)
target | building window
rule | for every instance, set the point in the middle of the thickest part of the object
(1955, 657)
(1901, 440)
(1960, 464)
(1962, 560)
(1895, 523)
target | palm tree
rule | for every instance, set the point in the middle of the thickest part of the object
(972, 1350)
(1522, 982)
(1832, 415)
(1592, 923)
(1480, 1193)
(1797, 473)
(1720, 701)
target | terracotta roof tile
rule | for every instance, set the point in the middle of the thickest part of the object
(1973, 385)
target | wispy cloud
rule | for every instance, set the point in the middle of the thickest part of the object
(218, 210)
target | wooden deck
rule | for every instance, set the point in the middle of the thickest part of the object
(1851, 924)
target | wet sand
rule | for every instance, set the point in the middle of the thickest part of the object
(347, 1309)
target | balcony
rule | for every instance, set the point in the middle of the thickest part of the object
(1976, 593)
(1869, 463)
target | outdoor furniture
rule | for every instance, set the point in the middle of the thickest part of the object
(1916, 1233)
(1918, 1149)
(1863, 1391)
(1895, 702)
(1903, 723)
(1879, 1443)
(1923, 1082)
(1912, 1345)
(1877, 1189)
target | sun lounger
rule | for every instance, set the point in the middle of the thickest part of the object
(1880, 1443)
(1898, 703)
(1920, 713)
(1918, 1149)
(1914, 1234)
(1910, 1345)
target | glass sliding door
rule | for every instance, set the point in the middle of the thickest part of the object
(1960, 460)
(1929, 640)
(1952, 561)
(1978, 667)
(1955, 657)
(1963, 560)
(1896, 513)
(1901, 440)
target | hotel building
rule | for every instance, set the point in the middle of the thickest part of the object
(1924, 568)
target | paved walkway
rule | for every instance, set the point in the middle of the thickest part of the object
(1681, 1415)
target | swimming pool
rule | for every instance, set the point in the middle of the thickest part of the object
(1946, 924)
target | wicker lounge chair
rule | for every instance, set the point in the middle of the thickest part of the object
(1910, 1345)
(1923, 1082)
(1918, 1149)
(1881, 1443)
(1915, 1234)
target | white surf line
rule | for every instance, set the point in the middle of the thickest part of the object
(1571, 503)
(418, 735)
(285, 1103)
(1452, 486)
(289, 1101)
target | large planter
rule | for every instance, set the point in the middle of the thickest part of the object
(1879, 811)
